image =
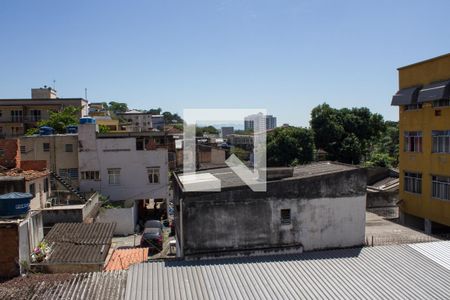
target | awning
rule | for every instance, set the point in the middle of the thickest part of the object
(406, 96)
(435, 91)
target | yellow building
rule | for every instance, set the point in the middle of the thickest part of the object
(424, 104)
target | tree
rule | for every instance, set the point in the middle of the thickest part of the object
(347, 135)
(170, 118)
(155, 111)
(199, 131)
(60, 120)
(118, 107)
(242, 154)
(288, 146)
(103, 129)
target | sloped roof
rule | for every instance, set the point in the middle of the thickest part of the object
(79, 242)
(384, 272)
(122, 259)
(97, 285)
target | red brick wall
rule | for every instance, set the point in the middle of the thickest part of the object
(9, 157)
(37, 165)
(9, 235)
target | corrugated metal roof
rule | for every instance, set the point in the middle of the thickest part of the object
(97, 285)
(438, 252)
(385, 272)
(79, 242)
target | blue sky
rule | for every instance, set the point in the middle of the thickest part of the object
(285, 56)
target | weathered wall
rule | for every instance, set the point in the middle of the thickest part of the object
(327, 211)
(9, 234)
(12, 184)
(53, 216)
(9, 147)
(125, 219)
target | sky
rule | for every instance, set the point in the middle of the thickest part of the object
(283, 56)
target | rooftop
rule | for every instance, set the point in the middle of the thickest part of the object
(80, 242)
(229, 179)
(424, 61)
(97, 285)
(122, 259)
(420, 271)
(28, 174)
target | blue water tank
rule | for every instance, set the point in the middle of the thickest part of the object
(14, 204)
(46, 130)
(72, 129)
(87, 120)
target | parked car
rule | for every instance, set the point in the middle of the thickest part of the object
(153, 224)
(152, 238)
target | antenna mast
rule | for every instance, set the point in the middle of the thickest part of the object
(85, 93)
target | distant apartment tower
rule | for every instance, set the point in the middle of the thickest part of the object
(226, 131)
(270, 120)
(19, 115)
(424, 124)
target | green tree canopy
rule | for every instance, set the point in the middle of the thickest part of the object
(60, 120)
(117, 107)
(287, 146)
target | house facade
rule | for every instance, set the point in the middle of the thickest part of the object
(19, 115)
(123, 166)
(424, 122)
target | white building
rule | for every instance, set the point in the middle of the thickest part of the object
(269, 122)
(122, 166)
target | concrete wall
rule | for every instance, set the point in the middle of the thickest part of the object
(56, 158)
(9, 147)
(125, 219)
(9, 234)
(101, 154)
(327, 211)
(40, 198)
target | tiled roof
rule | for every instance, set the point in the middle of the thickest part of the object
(29, 174)
(97, 285)
(122, 259)
(79, 242)
(384, 272)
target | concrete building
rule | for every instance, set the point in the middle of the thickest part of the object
(424, 120)
(269, 120)
(226, 131)
(59, 151)
(241, 140)
(110, 123)
(311, 207)
(19, 237)
(136, 121)
(123, 166)
(19, 115)
(98, 109)
(158, 122)
(37, 183)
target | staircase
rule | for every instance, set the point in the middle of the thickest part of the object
(68, 186)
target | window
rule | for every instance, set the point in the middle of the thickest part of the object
(16, 116)
(413, 141)
(441, 187)
(441, 141)
(442, 102)
(153, 174)
(413, 182)
(69, 147)
(71, 173)
(23, 149)
(114, 176)
(413, 106)
(46, 147)
(33, 189)
(285, 216)
(1, 113)
(35, 115)
(45, 185)
(90, 175)
(2, 152)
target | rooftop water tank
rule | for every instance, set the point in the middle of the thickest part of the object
(72, 129)
(87, 120)
(46, 130)
(14, 204)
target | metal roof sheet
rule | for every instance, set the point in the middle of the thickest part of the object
(390, 272)
(406, 96)
(97, 285)
(435, 91)
(79, 242)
